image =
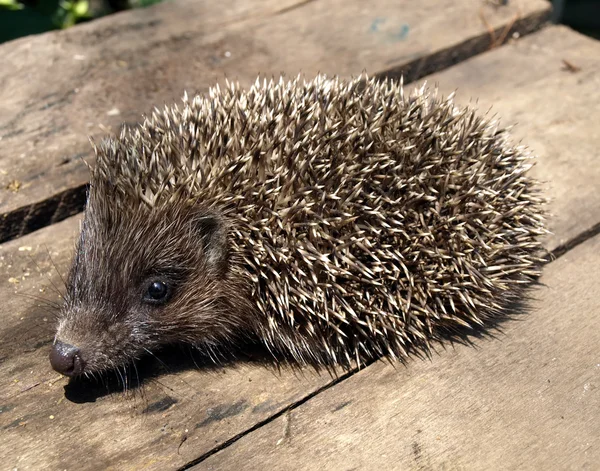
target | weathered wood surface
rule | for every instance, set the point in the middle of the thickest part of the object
(216, 406)
(528, 400)
(185, 415)
(180, 416)
(58, 88)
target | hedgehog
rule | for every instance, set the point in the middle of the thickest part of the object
(331, 221)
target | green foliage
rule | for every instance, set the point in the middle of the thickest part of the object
(11, 5)
(70, 12)
(24, 17)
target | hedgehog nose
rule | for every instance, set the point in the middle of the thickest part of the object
(66, 359)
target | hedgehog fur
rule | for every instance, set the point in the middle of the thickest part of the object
(357, 222)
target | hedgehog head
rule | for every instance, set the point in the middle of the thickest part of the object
(152, 264)
(160, 284)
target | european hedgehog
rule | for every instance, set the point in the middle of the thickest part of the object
(332, 221)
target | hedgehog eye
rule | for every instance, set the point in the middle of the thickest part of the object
(157, 292)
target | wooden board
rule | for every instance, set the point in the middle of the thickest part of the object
(60, 87)
(528, 400)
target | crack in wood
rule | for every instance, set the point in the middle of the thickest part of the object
(271, 418)
(27, 219)
(438, 61)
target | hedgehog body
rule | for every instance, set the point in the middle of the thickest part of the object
(333, 221)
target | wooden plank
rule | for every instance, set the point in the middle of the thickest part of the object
(47, 425)
(529, 400)
(201, 400)
(60, 87)
(556, 112)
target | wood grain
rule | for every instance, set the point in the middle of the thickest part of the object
(528, 400)
(60, 87)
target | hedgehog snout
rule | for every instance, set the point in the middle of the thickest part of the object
(66, 359)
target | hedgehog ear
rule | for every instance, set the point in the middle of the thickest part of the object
(214, 237)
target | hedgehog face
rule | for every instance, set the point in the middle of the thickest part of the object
(147, 278)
